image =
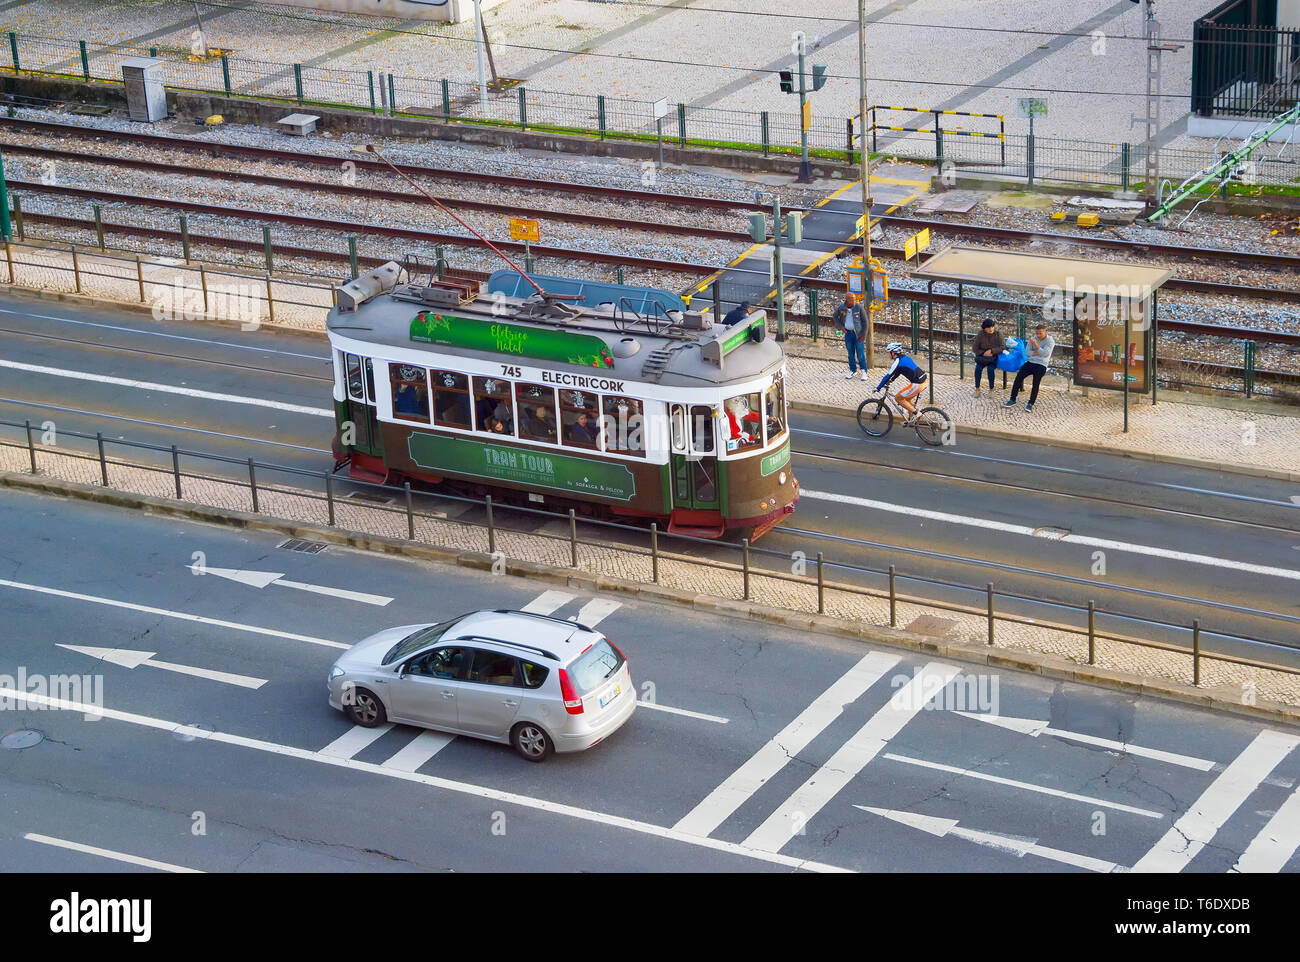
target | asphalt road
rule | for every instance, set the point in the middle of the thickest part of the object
(1047, 526)
(765, 749)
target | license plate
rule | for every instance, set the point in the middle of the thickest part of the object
(605, 700)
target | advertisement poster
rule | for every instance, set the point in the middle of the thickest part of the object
(1099, 345)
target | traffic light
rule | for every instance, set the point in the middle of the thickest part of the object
(819, 76)
(758, 227)
(787, 81)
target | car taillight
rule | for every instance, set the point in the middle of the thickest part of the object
(572, 703)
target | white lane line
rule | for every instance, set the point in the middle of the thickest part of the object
(356, 738)
(682, 711)
(165, 388)
(1199, 824)
(720, 803)
(1272, 848)
(1027, 786)
(463, 788)
(129, 658)
(595, 611)
(422, 748)
(547, 602)
(842, 767)
(1033, 728)
(109, 853)
(165, 613)
(1011, 844)
(1020, 529)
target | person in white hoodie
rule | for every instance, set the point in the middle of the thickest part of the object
(1038, 352)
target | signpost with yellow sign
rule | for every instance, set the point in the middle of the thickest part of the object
(916, 243)
(527, 231)
(856, 281)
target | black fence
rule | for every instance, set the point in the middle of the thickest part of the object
(1243, 63)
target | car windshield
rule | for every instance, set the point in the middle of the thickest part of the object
(590, 669)
(415, 641)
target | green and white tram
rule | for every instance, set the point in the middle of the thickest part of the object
(661, 416)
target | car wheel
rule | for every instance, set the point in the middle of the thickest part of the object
(366, 709)
(531, 741)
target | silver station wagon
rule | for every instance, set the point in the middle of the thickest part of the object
(539, 683)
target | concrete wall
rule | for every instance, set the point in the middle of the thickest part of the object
(405, 9)
(1288, 14)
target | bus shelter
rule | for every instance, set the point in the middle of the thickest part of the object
(1110, 307)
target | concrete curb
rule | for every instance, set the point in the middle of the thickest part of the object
(1046, 666)
(978, 431)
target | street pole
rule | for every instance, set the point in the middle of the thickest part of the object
(805, 168)
(6, 229)
(478, 36)
(866, 178)
(778, 269)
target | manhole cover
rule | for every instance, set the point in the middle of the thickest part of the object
(307, 547)
(932, 626)
(23, 738)
(369, 498)
(187, 734)
(1055, 534)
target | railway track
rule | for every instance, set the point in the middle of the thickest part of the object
(1143, 249)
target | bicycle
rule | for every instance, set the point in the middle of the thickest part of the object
(876, 417)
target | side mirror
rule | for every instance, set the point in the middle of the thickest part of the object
(401, 669)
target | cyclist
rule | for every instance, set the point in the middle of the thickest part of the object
(903, 367)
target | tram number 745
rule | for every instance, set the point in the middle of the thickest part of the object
(509, 370)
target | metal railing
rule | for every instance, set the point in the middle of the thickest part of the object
(637, 541)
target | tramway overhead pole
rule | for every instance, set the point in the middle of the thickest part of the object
(866, 172)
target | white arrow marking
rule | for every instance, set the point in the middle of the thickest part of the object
(1033, 728)
(263, 579)
(134, 659)
(1011, 844)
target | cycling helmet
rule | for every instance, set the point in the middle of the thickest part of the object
(895, 348)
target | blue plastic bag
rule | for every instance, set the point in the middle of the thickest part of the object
(1013, 358)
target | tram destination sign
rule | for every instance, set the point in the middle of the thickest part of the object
(538, 469)
(498, 337)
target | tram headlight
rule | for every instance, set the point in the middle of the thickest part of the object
(781, 477)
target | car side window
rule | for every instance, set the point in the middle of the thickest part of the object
(445, 663)
(533, 675)
(492, 668)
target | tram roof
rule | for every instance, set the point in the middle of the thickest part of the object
(1040, 272)
(385, 320)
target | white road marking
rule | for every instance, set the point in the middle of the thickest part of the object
(547, 602)
(1012, 845)
(595, 611)
(356, 738)
(1027, 786)
(166, 388)
(464, 788)
(842, 767)
(1199, 824)
(720, 803)
(129, 658)
(422, 748)
(1033, 728)
(164, 613)
(682, 711)
(1020, 529)
(264, 579)
(109, 853)
(1272, 848)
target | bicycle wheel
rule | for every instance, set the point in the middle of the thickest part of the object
(874, 417)
(931, 425)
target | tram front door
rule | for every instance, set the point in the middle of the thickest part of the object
(361, 406)
(694, 456)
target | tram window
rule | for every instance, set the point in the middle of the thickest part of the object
(370, 380)
(536, 412)
(410, 392)
(353, 365)
(580, 419)
(677, 427)
(494, 409)
(774, 408)
(451, 399)
(624, 424)
(744, 424)
(701, 429)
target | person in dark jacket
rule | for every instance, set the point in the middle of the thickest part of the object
(852, 319)
(988, 345)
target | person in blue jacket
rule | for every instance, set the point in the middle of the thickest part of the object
(907, 369)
